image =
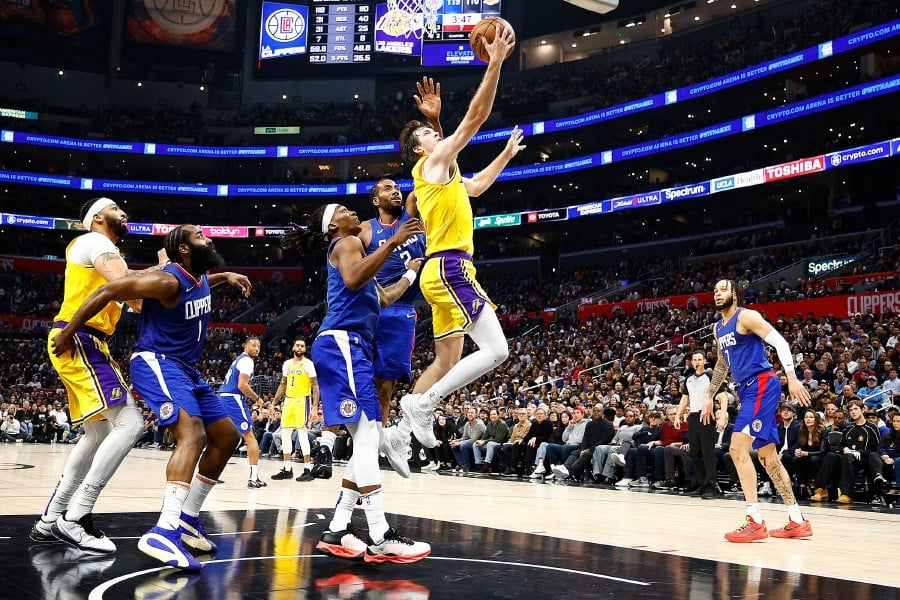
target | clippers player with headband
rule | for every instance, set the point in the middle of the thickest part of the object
(739, 340)
(175, 314)
(342, 354)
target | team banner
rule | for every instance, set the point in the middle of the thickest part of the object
(631, 307)
(41, 325)
(282, 30)
(840, 307)
(199, 24)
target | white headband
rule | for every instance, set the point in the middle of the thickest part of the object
(327, 216)
(98, 205)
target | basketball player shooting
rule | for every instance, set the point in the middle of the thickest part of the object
(459, 305)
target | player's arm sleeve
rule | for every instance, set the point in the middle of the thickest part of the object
(777, 341)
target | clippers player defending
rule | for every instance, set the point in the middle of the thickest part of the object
(174, 318)
(234, 393)
(342, 354)
(739, 338)
(395, 333)
(459, 305)
(300, 390)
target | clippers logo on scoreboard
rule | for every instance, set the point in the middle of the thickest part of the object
(285, 25)
(282, 30)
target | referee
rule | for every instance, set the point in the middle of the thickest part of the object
(701, 437)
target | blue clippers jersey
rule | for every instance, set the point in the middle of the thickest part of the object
(178, 332)
(745, 354)
(349, 310)
(230, 385)
(395, 266)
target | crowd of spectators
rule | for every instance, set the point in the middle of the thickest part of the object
(625, 363)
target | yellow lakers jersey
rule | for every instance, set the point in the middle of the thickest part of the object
(298, 375)
(81, 280)
(445, 211)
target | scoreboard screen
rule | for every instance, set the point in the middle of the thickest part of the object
(341, 32)
(447, 43)
(332, 32)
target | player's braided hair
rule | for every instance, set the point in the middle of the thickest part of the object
(175, 238)
(738, 290)
(306, 236)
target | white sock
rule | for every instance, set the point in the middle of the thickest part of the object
(378, 525)
(254, 474)
(200, 489)
(492, 351)
(343, 510)
(327, 439)
(795, 514)
(753, 513)
(287, 466)
(173, 502)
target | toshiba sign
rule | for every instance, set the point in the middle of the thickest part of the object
(795, 168)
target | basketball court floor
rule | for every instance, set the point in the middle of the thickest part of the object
(490, 537)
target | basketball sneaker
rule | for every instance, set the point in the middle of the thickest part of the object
(793, 530)
(193, 535)
(344, 544)
(538, 471)
(395, 446)
(422, 420)
(41, 533)
(306, 475)
(256, 483)
(82, 534)
(283, 474)
(395, 548)
(165, 546)
(321, 467)
(748, 532)
(618, 458)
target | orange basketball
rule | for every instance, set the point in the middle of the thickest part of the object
(484, 31)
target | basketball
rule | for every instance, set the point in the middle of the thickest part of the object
(484, 31)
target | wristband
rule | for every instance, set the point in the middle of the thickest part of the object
(410, 276)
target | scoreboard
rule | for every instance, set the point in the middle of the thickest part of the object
(341, 32)
(332, 32)
(447, 44)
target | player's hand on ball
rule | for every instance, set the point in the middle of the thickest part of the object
(498, 49)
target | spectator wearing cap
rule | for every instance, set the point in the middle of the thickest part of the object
(788, 432)
(872, 394)
(821, 396)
